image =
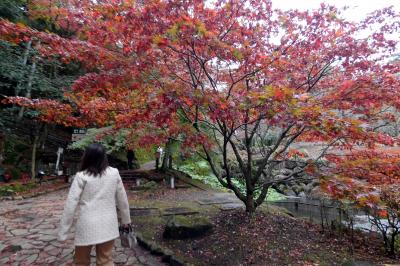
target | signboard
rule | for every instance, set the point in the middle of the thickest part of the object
(78, 133)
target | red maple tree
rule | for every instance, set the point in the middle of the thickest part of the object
(238, 81)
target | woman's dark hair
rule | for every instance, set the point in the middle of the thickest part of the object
(94, 160)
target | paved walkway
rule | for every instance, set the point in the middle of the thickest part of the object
(148, 166)
(28, 235)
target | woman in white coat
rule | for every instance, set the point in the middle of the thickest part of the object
(97, 189)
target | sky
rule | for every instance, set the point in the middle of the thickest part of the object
(357, 8)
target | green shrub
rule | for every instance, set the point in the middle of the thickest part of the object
(9, 190)
(15, 173)
(144, 155)
(13, 148)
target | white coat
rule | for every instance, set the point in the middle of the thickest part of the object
(97, 197)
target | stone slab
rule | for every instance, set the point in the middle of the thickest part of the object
(217, 200)
(179, 211)
(144, 211)
(231, 206)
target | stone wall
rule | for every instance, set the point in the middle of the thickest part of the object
(303, 185)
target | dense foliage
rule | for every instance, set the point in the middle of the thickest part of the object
(25, 72)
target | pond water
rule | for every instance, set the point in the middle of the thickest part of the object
(327, 210)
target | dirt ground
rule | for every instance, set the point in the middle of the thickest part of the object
(270, 237)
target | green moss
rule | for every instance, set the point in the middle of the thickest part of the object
(148, 233)
(182, 226)
(147, 226)
(149, 220)
(190, 220)
(150, 203)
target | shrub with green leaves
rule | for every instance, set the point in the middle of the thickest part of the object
(199, 169)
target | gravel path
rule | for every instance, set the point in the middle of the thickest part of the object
(28, 235)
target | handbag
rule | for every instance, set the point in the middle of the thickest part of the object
(128, 238)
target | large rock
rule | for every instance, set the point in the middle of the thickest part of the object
(302, 194)
(182, 227)
(290, 192)
(290, 164)
(298, 170)
(286, 172)
(308, 188)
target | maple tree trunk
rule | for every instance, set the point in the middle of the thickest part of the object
(392, 244)
(170, 162)
(386, 242)
(38, 141)
(2, 142)
(28, 87)
(33, 157)
(250, 202)
(164, 165)
(24, 62)
(167, 158)
(44, 136)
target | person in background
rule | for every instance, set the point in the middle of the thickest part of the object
(130, 155)
(158, 155)
(98, 190)
(65, 168)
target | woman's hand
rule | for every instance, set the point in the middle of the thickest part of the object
(126, 227)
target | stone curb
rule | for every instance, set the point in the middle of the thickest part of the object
(166, 254)
(9, 198)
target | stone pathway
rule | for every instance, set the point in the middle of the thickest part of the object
(28, 235)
